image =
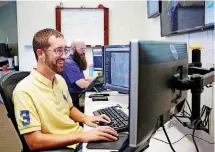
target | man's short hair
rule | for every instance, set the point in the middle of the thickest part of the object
(41, 39)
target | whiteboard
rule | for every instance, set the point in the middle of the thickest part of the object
(84, 24)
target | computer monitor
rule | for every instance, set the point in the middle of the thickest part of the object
(209, 13)
(153, 8)
(116, 67)
(97, 58)
(151, 95)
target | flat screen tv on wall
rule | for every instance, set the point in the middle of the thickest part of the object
(179, 17)
(209, 14)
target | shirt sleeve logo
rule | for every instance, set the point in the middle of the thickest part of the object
(25, 117)
(64, 97)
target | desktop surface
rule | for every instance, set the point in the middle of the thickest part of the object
(175, 130)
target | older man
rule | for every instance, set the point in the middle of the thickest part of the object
(74, 66)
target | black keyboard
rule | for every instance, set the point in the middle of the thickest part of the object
(119, 120)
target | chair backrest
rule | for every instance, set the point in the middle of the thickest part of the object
(8, 83)
(3, 50)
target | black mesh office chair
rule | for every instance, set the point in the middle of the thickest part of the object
(75, 100)
(7, 84)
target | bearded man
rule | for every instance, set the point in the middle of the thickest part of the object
(74, 66)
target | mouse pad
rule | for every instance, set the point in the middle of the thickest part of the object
(113, 145)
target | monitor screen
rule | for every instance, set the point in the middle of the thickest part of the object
(116, 67)
(153, 67)
(209, 13)
(153, 8)
(97, 58)
(182, 16)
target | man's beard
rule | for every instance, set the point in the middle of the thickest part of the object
(52, 66)
(80, 60)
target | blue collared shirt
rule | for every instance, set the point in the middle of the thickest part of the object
(71, 74)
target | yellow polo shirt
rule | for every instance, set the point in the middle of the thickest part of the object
(41, 104)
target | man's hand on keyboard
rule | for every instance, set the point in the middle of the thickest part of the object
(92, 120)
(100, 133)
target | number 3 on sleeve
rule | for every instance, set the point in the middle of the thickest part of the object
(25, 117)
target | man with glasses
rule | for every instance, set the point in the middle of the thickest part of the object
(74, 66)
(43, 107)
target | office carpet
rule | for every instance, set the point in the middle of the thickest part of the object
(9, 140)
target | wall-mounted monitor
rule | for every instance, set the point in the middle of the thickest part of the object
(182, 17)
(209, 13)
(153, 8)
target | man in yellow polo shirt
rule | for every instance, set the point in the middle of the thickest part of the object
(43, 107)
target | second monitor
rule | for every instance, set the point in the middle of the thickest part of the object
(116, 67)
(98, 58)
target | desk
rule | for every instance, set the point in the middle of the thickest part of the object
(175, 131)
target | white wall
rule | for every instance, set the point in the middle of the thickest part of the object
(125, 22)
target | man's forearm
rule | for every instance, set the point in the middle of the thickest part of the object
(76, 115)
(89, 79)
(38, 140)
(82, 83)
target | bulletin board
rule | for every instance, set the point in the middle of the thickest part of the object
(88, 24)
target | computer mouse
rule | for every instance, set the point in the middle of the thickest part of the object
(104, 124)
(118, 105)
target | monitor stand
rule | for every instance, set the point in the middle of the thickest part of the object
(199, 79)
(126, 148)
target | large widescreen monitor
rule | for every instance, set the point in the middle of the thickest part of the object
(97, 58)
(182, 17)
(209, 13)
(154, 64)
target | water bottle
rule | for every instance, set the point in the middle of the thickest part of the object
(91, 70)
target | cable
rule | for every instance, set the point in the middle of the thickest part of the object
(207, 115)
(183, 123)
(167, 135)
(188, 105)
(183, 116)
(186, 113)
(182, 138)
(178, 119)
(194, 141)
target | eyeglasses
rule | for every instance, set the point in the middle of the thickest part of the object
(81, 49)
(60, 51)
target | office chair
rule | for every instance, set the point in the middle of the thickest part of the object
(3, 49)
(8, 83)
(75, 100)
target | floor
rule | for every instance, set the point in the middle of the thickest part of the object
(9, 139)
